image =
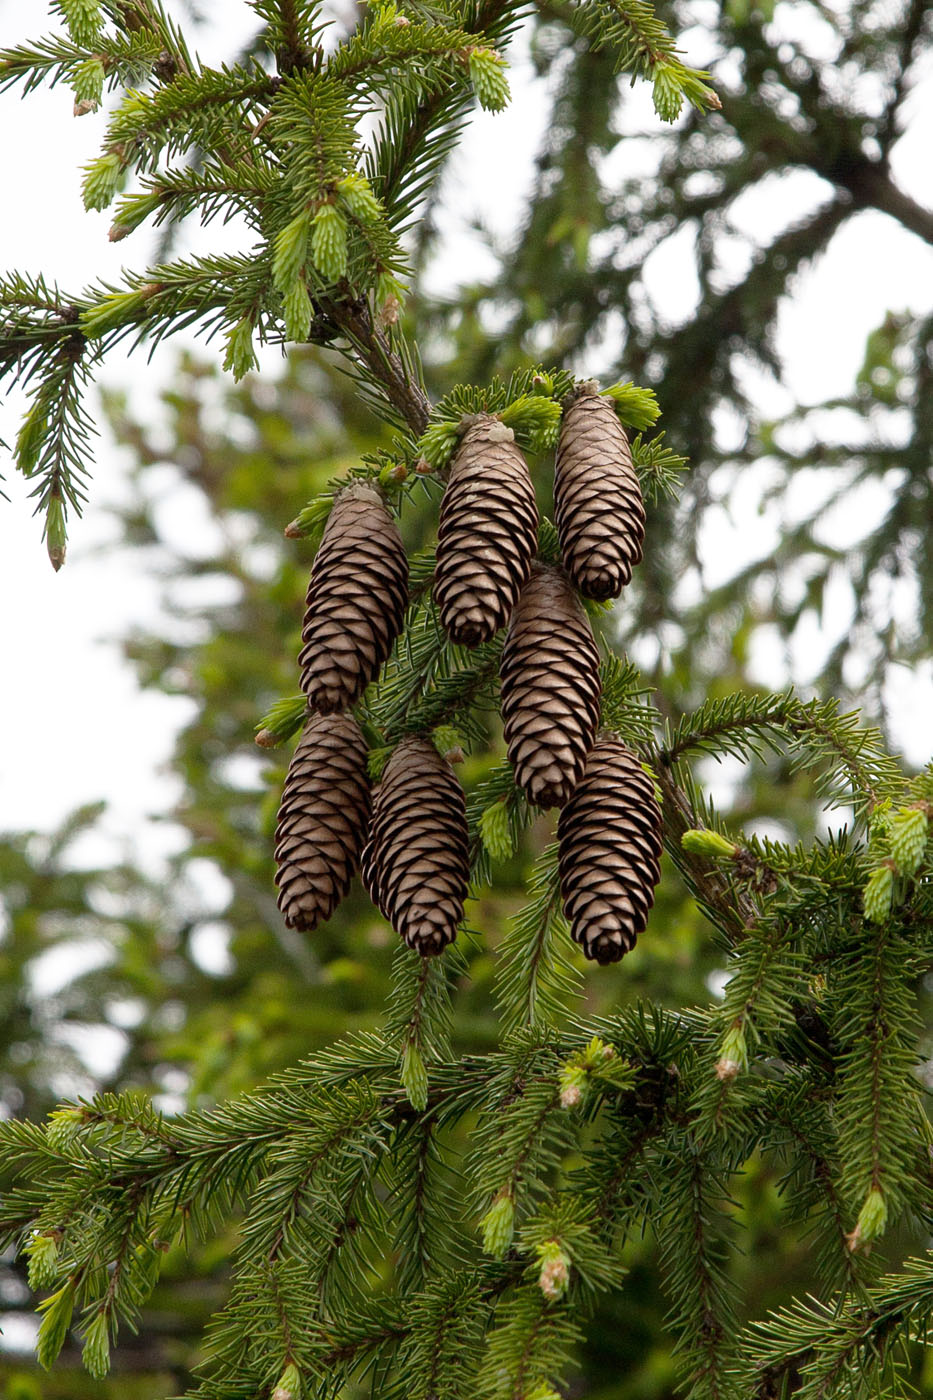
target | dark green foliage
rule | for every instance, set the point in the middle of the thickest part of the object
(507, 1167)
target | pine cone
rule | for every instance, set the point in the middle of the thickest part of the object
(322, 820)
(416, 865)
(610, 850)
(356, 600)
(598, 506)
(487, 534)
(550, 688)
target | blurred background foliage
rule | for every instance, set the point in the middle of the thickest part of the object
(188, 978)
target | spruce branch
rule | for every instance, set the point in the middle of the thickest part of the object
(535, 977)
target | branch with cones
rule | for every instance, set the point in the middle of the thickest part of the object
(410, 837)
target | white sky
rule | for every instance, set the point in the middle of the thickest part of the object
(76, 725)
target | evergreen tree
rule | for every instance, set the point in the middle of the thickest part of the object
(430, 1206)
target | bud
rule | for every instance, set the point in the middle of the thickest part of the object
(389, 311)
(879, 823)
(42, 1252)
(63, 1125)
(872, 1219)
(437, 443)
(488, 76)
(110, 313)
(876, 897)
(555, 1270)
(499, 1225)
(376, 761)
(87, 82)
(240, 357)
(446, 740)
(356, 194)
(329, 243)
(56, 536)
(389, 289)
(284, 718)
(393, 475)
(288, 1385)
(101, 181)
(908, 837)
(95, 1353)
(708, 843)
(290, 251)
(31, 436)
(297, 311)
(535, 420)
(84, 20)
(495, 830)
(667, 92)
(132, 211)
(56, 1313)
(423, 467)
(572, 1084)
(414, 1077)
(733, 1054)
(637, 408)
(311, 518)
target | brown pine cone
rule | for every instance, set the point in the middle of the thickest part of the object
(598, 506)
(416, 864)
(323, 818)
(487, 534)
(610, 851)
(356, 600)
(550, 688)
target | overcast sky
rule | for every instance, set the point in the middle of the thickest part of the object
(76, 725)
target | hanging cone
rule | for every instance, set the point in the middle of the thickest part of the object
(322, 820)
(356, 600)
(598, 506)
(416, 865)
(610, 850)
(550, 688)
(487, 534)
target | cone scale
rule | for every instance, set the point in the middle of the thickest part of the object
(487, 533)
(356, 600)
(598, 506)
(416, 864)
(550, 688)
(609, 836)
(322, 821)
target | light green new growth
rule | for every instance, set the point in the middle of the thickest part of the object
(415, 1076)
(291, 251)
(283, 720)
(637, 407)
(488, 76)
(42, 1252)
(240, 356)
(908, 837)
(498, 1226)
(329, 243)
(877, 896)
(495, 830)
(102, 179)
(83, 18)
(298, 311)
(708, 843)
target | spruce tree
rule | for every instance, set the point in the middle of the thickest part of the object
(399, 1215)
